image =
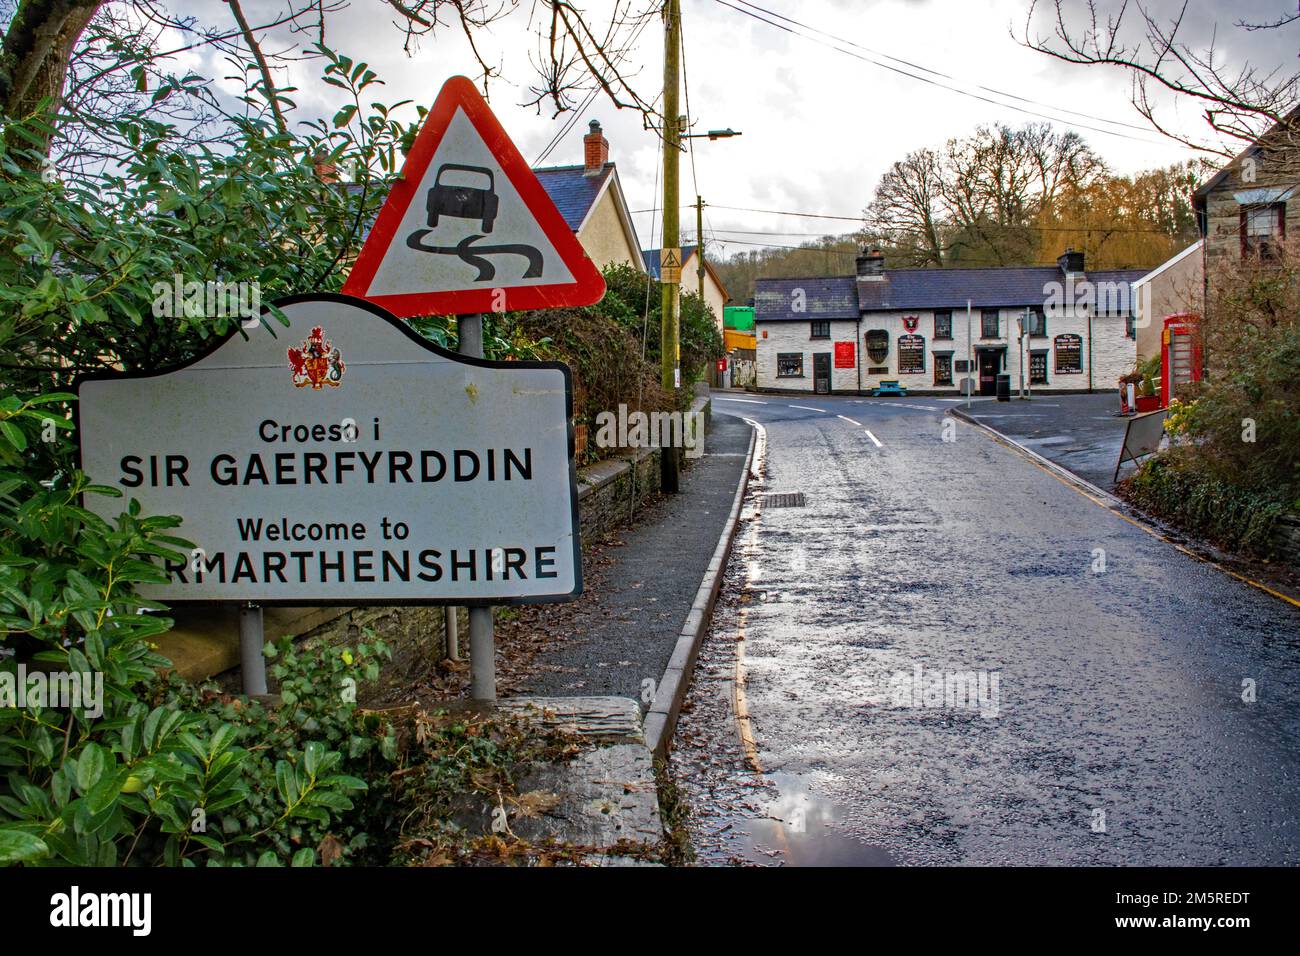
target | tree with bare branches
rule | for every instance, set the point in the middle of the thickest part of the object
(1239, 102)
(86, 60)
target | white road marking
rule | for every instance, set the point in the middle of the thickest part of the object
(806, 408)
(874, 439)
(849, 420)
(747, 401)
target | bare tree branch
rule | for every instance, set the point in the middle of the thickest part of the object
(1238, 105)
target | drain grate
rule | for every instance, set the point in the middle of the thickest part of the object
(791, 500)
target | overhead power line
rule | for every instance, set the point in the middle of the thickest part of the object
(583, 107)
(928, 80)
(983, 226)
(774, 212)
(946, 76)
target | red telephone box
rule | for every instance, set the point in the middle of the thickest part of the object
(1180, 356)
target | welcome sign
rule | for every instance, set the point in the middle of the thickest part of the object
(344, 459)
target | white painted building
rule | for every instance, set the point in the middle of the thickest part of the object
(848, 334)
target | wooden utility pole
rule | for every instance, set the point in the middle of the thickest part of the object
(669, 344)
(699, 242)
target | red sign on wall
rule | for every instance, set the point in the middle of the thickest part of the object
(844, 357)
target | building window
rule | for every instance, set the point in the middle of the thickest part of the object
(1037, 323)
(789, 365)
(911, 354)
(1262, 228)
(1069, 354)
(943, 324)
(821, 329)
(1038, 367)
(942, 368)
(989, 324)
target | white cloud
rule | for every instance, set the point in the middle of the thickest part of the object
(819, 126)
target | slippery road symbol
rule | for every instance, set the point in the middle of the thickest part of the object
(473, 255)
(461, 201)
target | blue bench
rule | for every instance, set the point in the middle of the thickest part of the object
(889, 388)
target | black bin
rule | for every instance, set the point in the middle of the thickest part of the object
(1004, 388)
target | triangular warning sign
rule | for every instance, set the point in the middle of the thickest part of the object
(467, 227)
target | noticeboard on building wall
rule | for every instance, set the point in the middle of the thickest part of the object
(844, 357)
(1069, 354)
(911, 354)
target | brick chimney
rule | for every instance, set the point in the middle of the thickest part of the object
(324, 169)
(595, 151)
(871, 264)
(1071, 262)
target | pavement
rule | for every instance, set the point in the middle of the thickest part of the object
(640, 585)
(1081, 433)
(594, 665)
(949, 655)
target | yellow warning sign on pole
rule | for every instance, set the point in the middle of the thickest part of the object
(670, 265)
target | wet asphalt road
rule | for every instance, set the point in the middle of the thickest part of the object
(1116, 732)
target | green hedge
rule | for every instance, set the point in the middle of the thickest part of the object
(1234, 517)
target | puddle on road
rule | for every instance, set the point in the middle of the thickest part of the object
(800, 830)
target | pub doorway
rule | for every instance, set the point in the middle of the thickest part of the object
(990, 362)
(822, 373)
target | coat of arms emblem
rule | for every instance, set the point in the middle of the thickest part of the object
(318, 363)
(910, 322)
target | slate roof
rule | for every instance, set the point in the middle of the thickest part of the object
(833, 297)
(921, 289)
(651, 258)
(571, 191)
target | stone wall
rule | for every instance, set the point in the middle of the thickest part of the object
(1223, 204)
(610, 493)
(1286, 539)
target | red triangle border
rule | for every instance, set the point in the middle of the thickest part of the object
(460, 93)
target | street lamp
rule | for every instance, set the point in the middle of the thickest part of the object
(713, 134)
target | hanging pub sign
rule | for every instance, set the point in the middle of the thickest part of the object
(345, 460)
(911, 354)
(877, 345)
(1069, 354)
(844, 357)
(910, 322)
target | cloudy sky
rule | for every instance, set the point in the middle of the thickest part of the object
(820, 125)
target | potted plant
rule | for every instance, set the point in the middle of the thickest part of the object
(1148, 390)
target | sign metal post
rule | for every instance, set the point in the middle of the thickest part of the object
(252, 637)
(482, 645)
(970, 358)
(449, 626)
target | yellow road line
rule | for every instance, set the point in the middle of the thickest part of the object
(740, 706)
(1138, 524)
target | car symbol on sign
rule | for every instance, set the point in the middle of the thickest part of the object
(462, 201)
